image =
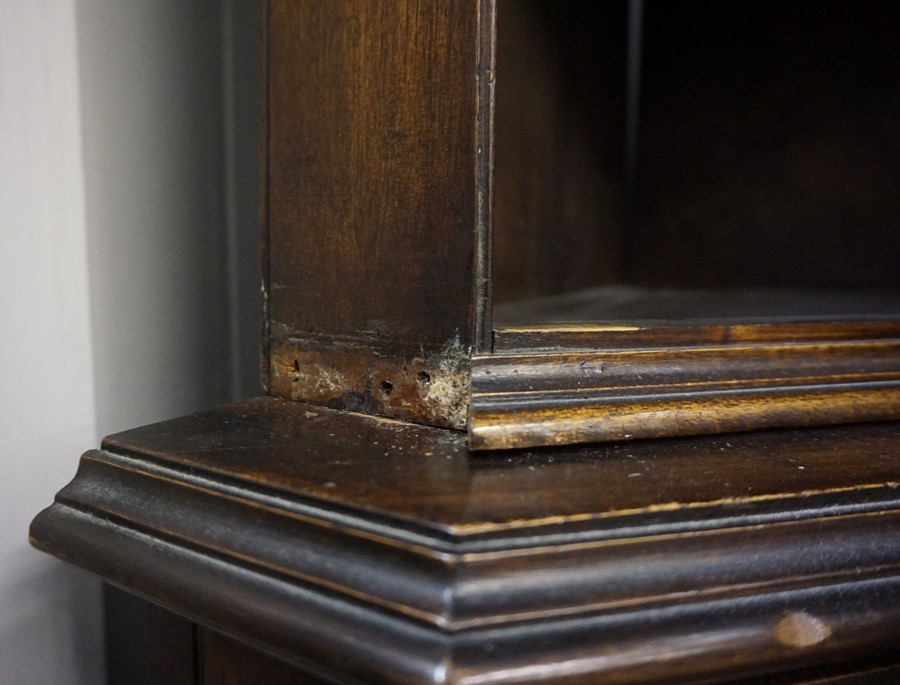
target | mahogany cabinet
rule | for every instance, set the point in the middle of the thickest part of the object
(581, 345)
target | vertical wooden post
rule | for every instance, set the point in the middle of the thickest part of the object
(376, 186)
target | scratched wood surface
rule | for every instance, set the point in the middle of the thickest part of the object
(538, 395)
(427, 476)
(621, 362)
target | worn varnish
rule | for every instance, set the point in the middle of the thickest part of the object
(371, 550)
(619, 363)
(376, 192)
(525, 398)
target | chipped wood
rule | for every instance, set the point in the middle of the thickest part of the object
(428, 388)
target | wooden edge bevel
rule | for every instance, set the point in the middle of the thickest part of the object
(484, 171)
(265, 173)
(326, 635)
(819, 583)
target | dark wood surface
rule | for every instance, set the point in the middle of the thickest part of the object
(620, 363)
(873, 672)
(558, 193)
(542, 398)
(301, 544)
(225, 661)
(756, 166)
(373, 551)
(623, 304)
(220, 660)
(391, 164)
(425, 480)
(371, 189)
(184, 653)
(173, 649)
(769, 145)
(643, 334)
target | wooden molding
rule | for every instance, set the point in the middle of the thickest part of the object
(376, 551)
(579, 383)
(528, 398)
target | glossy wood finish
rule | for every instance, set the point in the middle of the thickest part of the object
(305, 544)
(374, 551)
(617, 363)
(376, 188)
(530, 398)
(622, 335)
(225, 661)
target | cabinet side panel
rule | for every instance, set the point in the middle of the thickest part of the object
(229, 662)
(173, 649)
(559, 189)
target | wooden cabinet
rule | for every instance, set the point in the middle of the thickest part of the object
(464, 228)
(521, 309)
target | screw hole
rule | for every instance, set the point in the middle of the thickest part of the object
(386, 388)
(424, 377)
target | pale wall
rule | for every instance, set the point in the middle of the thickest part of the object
(124, 268)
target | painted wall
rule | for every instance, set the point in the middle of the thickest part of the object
(50, 615)
(127, 278)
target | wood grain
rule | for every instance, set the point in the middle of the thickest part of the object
(377, 186)
(371, 185)
(617, 363)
